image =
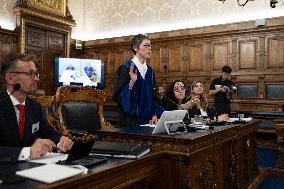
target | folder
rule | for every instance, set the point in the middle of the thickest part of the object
(50, 173)
(119, 149)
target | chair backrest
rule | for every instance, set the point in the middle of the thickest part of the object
(80, 111)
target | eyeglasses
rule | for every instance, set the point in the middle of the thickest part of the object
(181, 89)
(32, 74)
(198, 86)
(147, 45)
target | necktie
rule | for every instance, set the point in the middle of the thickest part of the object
(21, 109)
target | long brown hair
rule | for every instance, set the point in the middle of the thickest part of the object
(203, 100)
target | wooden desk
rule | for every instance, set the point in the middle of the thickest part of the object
(222, 158)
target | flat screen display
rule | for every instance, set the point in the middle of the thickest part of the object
(75, 71)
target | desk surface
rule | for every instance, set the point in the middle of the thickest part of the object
(113, 173)
(180, 141)
(12, 168)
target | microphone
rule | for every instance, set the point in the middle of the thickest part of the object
(16, 87)
(167, 98)
(165, 68)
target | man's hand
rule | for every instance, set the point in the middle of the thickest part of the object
(40, 147)
(223, 89)
(223, 117)
(64, 144)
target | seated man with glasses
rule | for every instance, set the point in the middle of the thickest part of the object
(24, 133)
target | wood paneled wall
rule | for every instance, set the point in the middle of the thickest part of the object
(8, 44)
(256, 54)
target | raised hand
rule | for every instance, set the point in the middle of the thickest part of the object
(154, 120)
(133, 75)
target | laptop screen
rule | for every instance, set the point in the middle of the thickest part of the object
(170, 121)
(79, 150)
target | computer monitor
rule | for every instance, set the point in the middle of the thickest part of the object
(170, 122)
(76, 71)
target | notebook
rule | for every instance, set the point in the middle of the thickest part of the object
(50, 173)
(119, 149)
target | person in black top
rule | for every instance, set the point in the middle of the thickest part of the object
(222, 88)
(176, 99)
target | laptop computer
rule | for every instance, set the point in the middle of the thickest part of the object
(79, 155)
(170, 122)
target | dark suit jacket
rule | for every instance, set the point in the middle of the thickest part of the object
(10, 143)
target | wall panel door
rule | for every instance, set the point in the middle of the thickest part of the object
(45, 45)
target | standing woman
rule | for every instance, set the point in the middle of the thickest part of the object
(133, 86)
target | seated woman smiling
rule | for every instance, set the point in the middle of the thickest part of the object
(200, 104)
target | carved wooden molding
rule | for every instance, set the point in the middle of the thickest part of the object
(77, 93)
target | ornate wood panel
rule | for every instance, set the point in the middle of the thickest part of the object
(45, 46)
(8, 44)
(220, 53)
(247, 54)
(196, 55)
(275, 45)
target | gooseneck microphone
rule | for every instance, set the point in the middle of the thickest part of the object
(186, 118)
(16, 87)
(167, 98)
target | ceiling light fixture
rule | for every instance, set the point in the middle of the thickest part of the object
(242, 3)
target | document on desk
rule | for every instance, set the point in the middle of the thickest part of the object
(50, 173)
(148, 125)
(50, 157)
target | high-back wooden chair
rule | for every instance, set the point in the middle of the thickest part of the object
(80, 111)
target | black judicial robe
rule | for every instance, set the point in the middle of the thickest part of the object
(137, 106)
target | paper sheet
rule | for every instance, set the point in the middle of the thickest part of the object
(148, 125)
(51, 157)
(50, 173)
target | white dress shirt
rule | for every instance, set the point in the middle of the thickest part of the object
(142, 68)
(25, 152)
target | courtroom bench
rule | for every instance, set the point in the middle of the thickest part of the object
(270, 112)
